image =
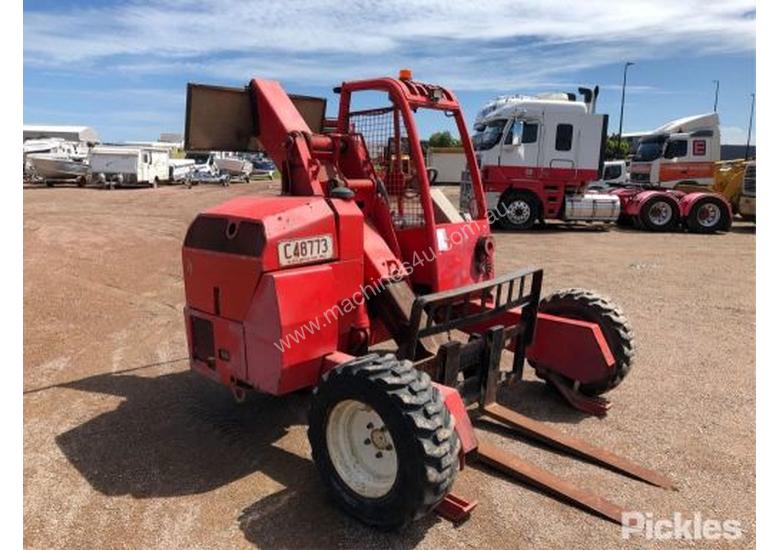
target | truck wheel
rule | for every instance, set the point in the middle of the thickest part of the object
(518, 210)
(382, 440)
(707, 216)
(659, 213)
(586, 305)
(748, 217)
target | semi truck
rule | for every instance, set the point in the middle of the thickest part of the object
(537, 155)
(681, 154)
(672, 175)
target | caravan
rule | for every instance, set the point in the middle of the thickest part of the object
(116, 165)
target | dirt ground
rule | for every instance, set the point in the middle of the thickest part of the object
(124, 447)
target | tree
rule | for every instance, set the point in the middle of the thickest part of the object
(443, 139)
(615, 152)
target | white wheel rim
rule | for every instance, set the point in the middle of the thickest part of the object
(518, 212)
(660, 213)
(708, 215)
(361, 449)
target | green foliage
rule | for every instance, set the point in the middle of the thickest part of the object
(443, 139)
(615, 152)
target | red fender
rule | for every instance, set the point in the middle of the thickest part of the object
(688, 202)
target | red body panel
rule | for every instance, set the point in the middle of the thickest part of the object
(575, 349)
(550, 185)
(280, 317)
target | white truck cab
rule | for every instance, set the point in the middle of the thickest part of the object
(537, 154)
(614, 174)
(679, 154)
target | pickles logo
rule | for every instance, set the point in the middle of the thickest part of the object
(678, 527)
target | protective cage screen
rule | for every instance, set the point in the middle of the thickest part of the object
(385, 136)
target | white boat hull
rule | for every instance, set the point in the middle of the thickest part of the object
(54, 167)
(234, 166)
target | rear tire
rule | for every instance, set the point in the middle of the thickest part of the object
(518, 210)
(708, 215)
(660, 213)
(417, 430)
(586, 305)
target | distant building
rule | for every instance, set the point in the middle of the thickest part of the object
(734, 152)
(68, 133)
(170, 137)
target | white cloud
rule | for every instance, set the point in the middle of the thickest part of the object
(504, 42)
(736, 135)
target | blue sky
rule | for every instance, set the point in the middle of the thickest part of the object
(122, 67)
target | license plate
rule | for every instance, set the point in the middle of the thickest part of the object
(306, 250)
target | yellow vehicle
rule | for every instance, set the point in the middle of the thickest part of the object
(736, 180)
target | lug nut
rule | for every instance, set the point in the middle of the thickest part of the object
(379, 454)
(370, 426)
(367, 442)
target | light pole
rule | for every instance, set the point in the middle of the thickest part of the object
(717, 89)
(750, 125)
(622, 105)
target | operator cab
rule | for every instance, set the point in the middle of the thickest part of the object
(385, 115)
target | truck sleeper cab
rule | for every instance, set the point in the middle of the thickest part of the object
(537, 155)
(679, 155)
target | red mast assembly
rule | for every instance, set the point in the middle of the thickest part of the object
(289, 293)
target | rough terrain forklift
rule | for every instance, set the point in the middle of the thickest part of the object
(293, 292)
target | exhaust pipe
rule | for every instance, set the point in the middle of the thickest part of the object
(589, 97)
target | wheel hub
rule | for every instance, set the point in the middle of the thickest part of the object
(660, 213)
(361, 449)
(381, 439)
(708, 215)
(518, 212)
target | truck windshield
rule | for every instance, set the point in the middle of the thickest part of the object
(649, 150)
(489, 136)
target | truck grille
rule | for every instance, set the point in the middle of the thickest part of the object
(203, 340)
(749, 183)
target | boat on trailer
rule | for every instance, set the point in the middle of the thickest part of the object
(52, 167)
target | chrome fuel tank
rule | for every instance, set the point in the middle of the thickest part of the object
(592, 207)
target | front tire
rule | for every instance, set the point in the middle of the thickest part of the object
(382, 440)
(518, 210)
